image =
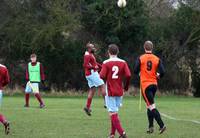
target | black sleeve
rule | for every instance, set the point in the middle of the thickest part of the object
(137, 66)
(161, 69)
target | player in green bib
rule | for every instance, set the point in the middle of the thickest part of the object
(34, 75)
(34, 72)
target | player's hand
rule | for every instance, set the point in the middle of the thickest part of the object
(43, 83)
(158, 75)
(126, 89)
(92, 68)
(96, 67)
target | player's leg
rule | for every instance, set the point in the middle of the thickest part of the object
(100, 94)
(150, 91)
(102, 91)
(113, 130)
(98, 82)
(2, 117)
(90, 80)
(28, 90)
(91, 93)
(113, 104)
(162, 127)
(119, 105)
(39, 98)
(149, 100)
(110, 103)
(159, 120)
(5, 123)
(116, 125)
(27, 97)
(147, 97)
(37, 94)
(151, 120)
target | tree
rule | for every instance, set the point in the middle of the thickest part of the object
(107, 22)
(43, 27)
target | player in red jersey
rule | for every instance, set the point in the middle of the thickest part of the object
(151, 69)
(4, 80)
(91, 72)
(114, 71)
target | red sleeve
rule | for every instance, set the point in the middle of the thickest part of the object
(27, 73)
(99, 67)
(42, 72)
(128, 77)
(86, 62)
(104, 71)
(6, 78)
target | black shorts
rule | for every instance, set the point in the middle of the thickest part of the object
(149, 94)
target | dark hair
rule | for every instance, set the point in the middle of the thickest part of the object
(113, 49)
(33, 55)
(148, 45)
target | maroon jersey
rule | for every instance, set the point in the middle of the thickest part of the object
(90, 63)
(4, 76)
(113, 71)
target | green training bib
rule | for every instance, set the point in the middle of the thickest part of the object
(34, 72)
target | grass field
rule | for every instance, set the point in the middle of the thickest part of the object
(64, 118)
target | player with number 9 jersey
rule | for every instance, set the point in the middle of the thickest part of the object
(150, 68)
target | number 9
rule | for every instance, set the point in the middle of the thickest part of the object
(149, 65)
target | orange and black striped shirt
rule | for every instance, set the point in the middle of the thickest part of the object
(148, 65)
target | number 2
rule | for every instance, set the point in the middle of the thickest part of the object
(115, 70)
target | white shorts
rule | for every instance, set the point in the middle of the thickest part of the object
(1, 97)
(94, 79)
(113, 103)
(32, 88)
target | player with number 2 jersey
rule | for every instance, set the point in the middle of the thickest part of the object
(114, 71)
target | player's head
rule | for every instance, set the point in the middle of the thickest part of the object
(113, 50)
(33, 57)
(90, 47)
(148, 47)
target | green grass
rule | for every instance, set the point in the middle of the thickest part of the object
(64, 118)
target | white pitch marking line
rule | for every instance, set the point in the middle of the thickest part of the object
(176, 119)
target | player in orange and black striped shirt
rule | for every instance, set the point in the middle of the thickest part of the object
(150, 68)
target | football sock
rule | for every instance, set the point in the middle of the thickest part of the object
(27, 95)
(150, 118)
(104, 100)
(157, 117)
(2, 119)
(113, 129)
(89, 101)
(37, 95)
(117, 124)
